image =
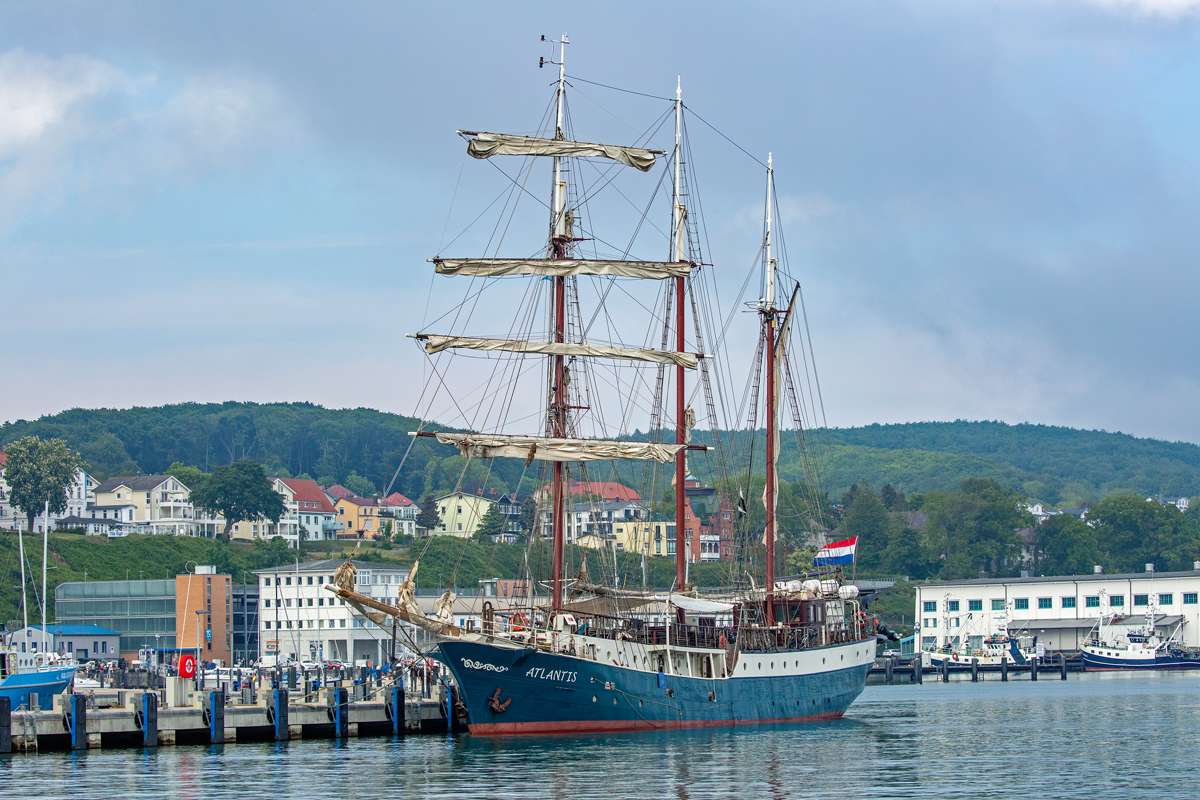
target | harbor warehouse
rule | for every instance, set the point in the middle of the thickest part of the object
(1060, 611)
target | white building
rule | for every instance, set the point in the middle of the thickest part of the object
(80, 493)
(1060, 611)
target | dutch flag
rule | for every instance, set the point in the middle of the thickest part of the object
(836, 553)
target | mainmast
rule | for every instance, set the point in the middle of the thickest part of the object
(679, 253)
(560, 235)
(767, 311)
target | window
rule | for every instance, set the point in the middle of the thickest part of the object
(997, 605)
(1045, 602)
(267, 625)
(930, 606)
(320, 601)
(266, 603)
(287, 581)
(1092, 602)
(956, 622)
(1117, 601)
(341, 623)
(288, 602)
(1068, 602)
(1166, 599)
(310, 601)
(460, 526)
(1141, 599)
(1189, 598)
(975, 605)
(310, 580)
(1021, 603)
(952, 605)
(928, 642)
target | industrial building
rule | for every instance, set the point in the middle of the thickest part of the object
(1061, 611)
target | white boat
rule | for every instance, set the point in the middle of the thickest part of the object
(1140, 648)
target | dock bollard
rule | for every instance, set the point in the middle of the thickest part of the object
(1033, 665)
(292, 677)
(341, 713)
(78, 722)
(887, 670)
(945, 670)
(1004, 669)
(974, 670)
(216, 717)
(281, 715)
(149, 719)
(1062, 664)
(5, 724)
(917, 663)
(398, 709)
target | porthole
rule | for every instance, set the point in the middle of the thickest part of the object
(608, 654)
(593, 698)
(760, 665)
(639, 703)
(614, 701)
(843, 657)
(745, 667)
(772, 665)
(822, 661)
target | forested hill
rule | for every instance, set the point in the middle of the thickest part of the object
(1059, 466)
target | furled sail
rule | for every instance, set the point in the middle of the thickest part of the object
(486, 145)
(545, 267)
(436, 344)
(546, 448)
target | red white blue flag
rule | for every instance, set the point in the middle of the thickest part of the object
(836, 553)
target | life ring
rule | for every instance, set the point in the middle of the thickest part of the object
(518, 622)
(955, 656)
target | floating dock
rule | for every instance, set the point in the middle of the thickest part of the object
(889, 670)
(179, 714)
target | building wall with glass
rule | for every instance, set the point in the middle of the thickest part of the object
(245, 623)
(141, 611)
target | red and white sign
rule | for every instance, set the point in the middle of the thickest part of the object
(187, 666)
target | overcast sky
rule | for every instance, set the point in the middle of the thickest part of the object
(993, 207)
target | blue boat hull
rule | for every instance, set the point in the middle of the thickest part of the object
(543, 692)
(46, 684)
(1098, 661)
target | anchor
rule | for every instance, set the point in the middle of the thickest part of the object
(496, 705)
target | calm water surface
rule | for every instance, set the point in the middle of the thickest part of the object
(1094, 736)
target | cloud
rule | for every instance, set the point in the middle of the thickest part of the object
(1150, 8)
(78, 127)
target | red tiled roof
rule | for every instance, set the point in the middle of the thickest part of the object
(309, 491)
(395, 499)
(339, 491)
(607, 490)
(3, 458)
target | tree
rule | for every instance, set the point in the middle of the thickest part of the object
(239, 492)
(973, 528)
(429, 518)
(1066, 545)
(893, 498)
(1132, 532)
(385, 530)
(528, 518)
(190, 477)
(39, 472)
(359, 485)
(492, 524)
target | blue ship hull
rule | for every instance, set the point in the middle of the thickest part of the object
(46, 684)
(1097, 661)
(543, 692)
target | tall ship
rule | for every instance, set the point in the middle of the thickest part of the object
(593, 653)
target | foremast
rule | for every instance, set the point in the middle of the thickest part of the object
(679, 254)
(559, 237)
(767, 314)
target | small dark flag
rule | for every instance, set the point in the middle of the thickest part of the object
(741, 503)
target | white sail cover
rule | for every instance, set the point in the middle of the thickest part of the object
(545, 448)
(564, 268)
(697, 604)
(486, 145)
(436, 344)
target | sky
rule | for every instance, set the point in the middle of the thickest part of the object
(992, 207)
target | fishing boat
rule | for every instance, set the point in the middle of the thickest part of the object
(1142, 648)
(591, 655)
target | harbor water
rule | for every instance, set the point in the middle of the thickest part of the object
(1094, 736)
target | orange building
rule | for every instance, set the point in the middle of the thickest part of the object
(210, 593)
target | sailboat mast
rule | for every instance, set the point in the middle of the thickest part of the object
(769, 498)
(558, 247)
(24, 596)
(678, 253)
(45, 548)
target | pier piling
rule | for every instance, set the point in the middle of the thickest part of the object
(216, 717)
(1004, 670)
(281, 715)
(974, 670)
(397, 709)
(917, 668)
(945, 671)
(341, 713)
(150, 720)
(5, 724)
(79, 740)
(1033, 665)
(1062, 666)
(888, 666)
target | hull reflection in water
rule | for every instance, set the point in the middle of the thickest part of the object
(530, 691)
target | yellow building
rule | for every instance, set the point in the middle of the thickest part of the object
(461, 514)
(360, 515)
(633, 536)
(286, 527)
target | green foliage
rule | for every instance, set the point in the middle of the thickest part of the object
(1066, 545)
(491, 524)
(191, 477)
(973, 529)
(428, 517)
(528, 518)
(1132, 532)
(361, 486)
(239, 492)
(39, 472)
